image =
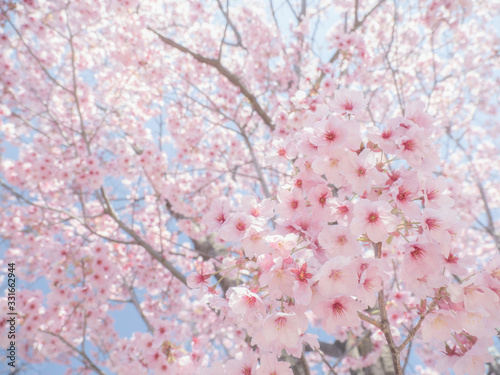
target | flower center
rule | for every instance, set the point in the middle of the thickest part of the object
(373, 217)
(409, 145)
(338, 309)
(341, 240)
(333, 162)
(280, 322)
(322, 200)
(241, 226)
(403, 195)
(386, 134)
(417, 253)
(249, 301)
(220, 218)
(336, 275)
(330, 136)
(432, 223)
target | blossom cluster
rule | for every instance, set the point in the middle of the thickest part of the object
(361, 212)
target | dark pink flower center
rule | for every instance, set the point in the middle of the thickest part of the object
(249, 301)
(373, 217)
(386, 134)
(342, 210)
(417, 253)
(220, 218)
(451, 259)
(432, 223)
(403, 195)
(322, 200)
(240, 225)
(280, 322)
(338, 309)
(330, 136)
(361, 171)
(432, 194)
(409, 145)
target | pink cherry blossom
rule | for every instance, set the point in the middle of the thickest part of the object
(337, 276)
(438, 225)
(331, 166)
(374, 219)
(339, 311)
(301, 288)
(283, 328)
(243, 177)
(421, 259)
(243, 302)
(269, 365)
(476, 298)
(348, 102)
(290, 202)
(235, 227)
(360, 172)
(218, 214)
(338, 240)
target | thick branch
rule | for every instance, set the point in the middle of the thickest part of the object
(155, 254)
(223, 71)
(386, 329)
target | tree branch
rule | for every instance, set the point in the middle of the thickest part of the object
(223, 71)
(414, 330)
(155, 254)
(85, 359)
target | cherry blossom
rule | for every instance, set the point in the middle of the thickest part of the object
(374, 219)
(270, 189)
(348, 102)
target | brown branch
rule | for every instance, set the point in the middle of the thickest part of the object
(414, 330)
(231, 24)
(224, 72)
(367, 319)
(137, 305)
(386, 329)
(85, 358)
(140, 241)
(255, 162)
